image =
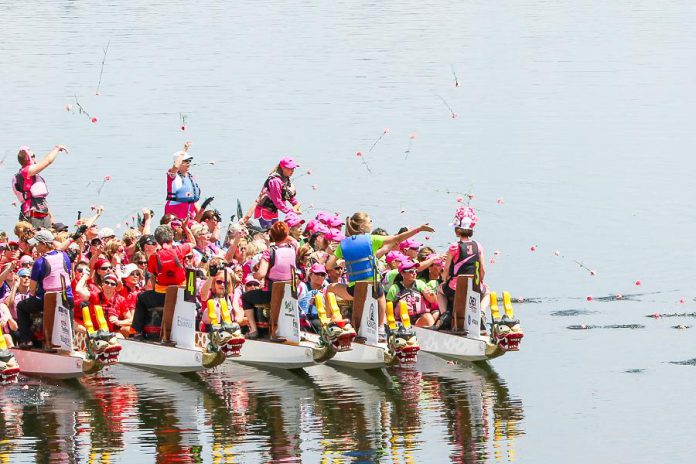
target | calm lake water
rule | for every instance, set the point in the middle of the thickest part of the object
(574, 132)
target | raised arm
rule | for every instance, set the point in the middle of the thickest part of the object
(34, 169)
(394, 239)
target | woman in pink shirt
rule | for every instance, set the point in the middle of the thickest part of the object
(277, 192)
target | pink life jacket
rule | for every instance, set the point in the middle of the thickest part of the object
(55, 267)
(18, 298)
(31, 192)
(413, 298)
(281, 263)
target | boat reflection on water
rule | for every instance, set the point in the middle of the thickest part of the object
(435, 412)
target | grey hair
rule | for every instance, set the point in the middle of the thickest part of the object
(164, 234)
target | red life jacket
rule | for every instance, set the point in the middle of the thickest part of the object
(170, 271)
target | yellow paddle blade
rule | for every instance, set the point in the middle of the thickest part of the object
(225, 311)
(87, 320)
(390, 316)
(100, 318)
(403, 313)
(333, 307)
(495, 312)
(507, 304)
(212, 312)
(3, 343)
(321, 308)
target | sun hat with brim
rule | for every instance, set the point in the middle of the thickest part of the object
(106, 232)
(42, 236)
(288, 163)
(407, 265)
(335, 221)
(129, 269)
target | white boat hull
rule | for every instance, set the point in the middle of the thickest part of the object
(52, 365)
(360, 356)
(449, 346)
(160, 357)
(276, 355)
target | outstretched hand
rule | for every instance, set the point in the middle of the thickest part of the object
(426, 228)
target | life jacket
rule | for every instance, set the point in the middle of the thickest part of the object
(468, 261)
(32, 197)
(18, 298)
(360, 261)
(413, 298)
(221, 306)
(287, 192)
(281, 263)
(170, 271)
(106, 306)
(55, 268)
(188, 192)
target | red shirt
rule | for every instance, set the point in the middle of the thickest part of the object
(180, 250)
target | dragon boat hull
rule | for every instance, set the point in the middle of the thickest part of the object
(52, 365)
(276, 355)
(360, 356)
(161, 357)
(455, 347)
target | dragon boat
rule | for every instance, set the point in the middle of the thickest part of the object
(466, 341)
(9, 368)
(367, 352)
(287, 347)
(182, 349)
(67, 354)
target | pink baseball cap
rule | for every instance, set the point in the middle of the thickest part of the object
(320, 228)
(311, 225)
(323, 217)
(288, 163)
(335, 221)
(395, 256)
(410, 243)
(407, 265)
(317, 269)
(334, 235)
(250, 280)
(292, 220)
(437, 259)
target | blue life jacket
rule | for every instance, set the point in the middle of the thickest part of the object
(189, 192)
(360, 261)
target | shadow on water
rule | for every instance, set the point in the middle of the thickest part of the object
(239, 413)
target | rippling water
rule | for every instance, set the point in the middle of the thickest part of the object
(577, 115)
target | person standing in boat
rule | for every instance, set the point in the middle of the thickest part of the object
(276, 264)
(277, 192)
(50, 273)
(359, 249)
(465, 256)
(30, 187)
(183, 192)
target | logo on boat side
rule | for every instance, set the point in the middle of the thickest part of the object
(371, 322)
(184, 322)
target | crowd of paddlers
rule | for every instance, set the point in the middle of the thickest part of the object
(127, 274)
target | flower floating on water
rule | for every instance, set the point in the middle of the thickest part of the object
(618, 296)
(638, 283)
(593, 272)
(492, 261)
(403, 211)
(412, 135)
(94, 119)
(309, 172)
(359, 154)
(557, 253)
(460, 199)
(589, 298)
(454, 115)
(315, 187)
(496, 252)
(386, 130)
(656, 315)
(93, 207)
(682, 300)
(107, 178)
(471, 196)
(183, 127)
(533, 248)
(500, 200)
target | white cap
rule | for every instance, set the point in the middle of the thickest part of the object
(105, 232)
(186, 155)
(128, 269)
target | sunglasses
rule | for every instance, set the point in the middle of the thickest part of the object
(219, 282)
(188, 257)
(28, 264)
(339, 268)
(110, 284)
(409, 271)
(323, 274)
(12, 247)
(136, 274)
(25, 277)
(188, 161)
(106, 268)
(253, 285)
(95, 242)
(141, 263)
(81, 270)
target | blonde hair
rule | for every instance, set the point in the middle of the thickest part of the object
(61, 237)
(254, 247)
(111, 247)
(24, 230)
(131, 236)
(358, 224)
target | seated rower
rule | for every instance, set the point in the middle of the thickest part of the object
(8, 309)
(276, 264)
(316, 284)
(166, 265)
(414, 292)
(215, 289)
(50, 273)
(359, 250)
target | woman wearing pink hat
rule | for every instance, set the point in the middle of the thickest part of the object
(414, 292)
(277, 191)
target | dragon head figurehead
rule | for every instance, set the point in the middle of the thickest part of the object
(226, 338)
(340, 334)
(402, 344)
(102, 350)
(9, 368)
(507, 334)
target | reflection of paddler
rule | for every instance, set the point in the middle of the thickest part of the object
(277, 264)
(277, 192)
(360, 251)
(166, 265)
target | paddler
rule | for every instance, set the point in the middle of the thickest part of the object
(183, 192)
(30, 187)
(316, 284)
(166, 265)
(277, 192)
(414, 292)
(276, 264)
(48, 274)
(215, 292)
(465, 256)
(359, 250)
